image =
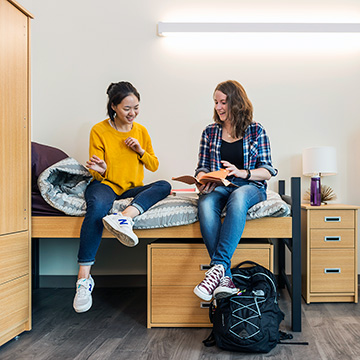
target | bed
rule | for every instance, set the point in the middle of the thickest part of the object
(48, 222)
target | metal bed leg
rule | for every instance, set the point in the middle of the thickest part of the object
(35, 262)
(281, 263)
(281, 246)
(296, 254)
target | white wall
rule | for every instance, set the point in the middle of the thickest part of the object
(304, 87)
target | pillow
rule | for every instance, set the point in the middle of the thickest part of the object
(42, 156)
(171, 211)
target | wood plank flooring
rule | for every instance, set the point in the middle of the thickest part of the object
(115, 328)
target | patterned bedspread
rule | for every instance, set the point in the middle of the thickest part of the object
(63, 185)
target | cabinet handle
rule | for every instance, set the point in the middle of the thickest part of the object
(332, 218)
(204, 305)
(205, 267)
(332, 270)
(332, 238)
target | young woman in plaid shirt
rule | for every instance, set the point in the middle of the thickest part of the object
(240, 145)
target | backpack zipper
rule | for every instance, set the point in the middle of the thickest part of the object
(267, 276)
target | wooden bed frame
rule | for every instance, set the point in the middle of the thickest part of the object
(286, 229)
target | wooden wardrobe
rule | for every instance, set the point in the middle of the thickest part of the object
(15, 171)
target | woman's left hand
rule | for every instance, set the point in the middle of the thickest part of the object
(134, 145)
(233, 170)
(207, 188)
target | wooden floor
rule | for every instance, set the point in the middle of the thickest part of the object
(115, 328)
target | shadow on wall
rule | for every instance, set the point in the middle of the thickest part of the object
(288, 167)
(112, 258)
(353, 166)
(353, 175)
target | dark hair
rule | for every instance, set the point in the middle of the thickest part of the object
(117, 92)
(240, 107)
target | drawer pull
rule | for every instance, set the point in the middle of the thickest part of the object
(332, 238)
(332, 270)
(332, 218)
(204, 305)
(205, 267)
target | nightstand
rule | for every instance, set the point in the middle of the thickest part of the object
(329, 253)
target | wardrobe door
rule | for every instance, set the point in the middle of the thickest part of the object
(14, 119)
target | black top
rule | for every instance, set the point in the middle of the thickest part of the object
(233, 153)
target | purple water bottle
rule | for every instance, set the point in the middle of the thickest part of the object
(315, 191)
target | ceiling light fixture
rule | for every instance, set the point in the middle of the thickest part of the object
(167, 28)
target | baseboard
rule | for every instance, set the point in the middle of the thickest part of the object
(108, 281)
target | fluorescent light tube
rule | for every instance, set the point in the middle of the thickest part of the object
(165, 28)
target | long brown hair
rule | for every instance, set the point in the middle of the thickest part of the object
(239, 105)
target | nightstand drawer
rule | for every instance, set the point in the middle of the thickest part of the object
(332, 219)
(193, 261)
(178, 306)
(332, 238)
(332, 271)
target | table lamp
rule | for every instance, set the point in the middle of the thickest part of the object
(318, 161)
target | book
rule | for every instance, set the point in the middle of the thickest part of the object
(218, 177)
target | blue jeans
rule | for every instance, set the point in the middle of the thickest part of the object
(221, 239)
(99, 200)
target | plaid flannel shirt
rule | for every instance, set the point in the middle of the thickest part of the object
(256, 146)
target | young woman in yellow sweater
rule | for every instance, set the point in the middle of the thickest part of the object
(119, 150)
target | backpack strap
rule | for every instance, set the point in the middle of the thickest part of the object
(287, 336)
(210, 340)
(284, 336)
(246, 262)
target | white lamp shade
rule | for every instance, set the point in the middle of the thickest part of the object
(320, 160)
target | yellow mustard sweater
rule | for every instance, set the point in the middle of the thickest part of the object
(125, 168)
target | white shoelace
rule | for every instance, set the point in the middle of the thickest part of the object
(226, 282)
(82, 289)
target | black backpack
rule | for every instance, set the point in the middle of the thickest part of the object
(248, 321)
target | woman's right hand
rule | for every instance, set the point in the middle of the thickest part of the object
(207, 188)
(97, 164)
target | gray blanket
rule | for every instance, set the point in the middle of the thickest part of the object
(63, 185)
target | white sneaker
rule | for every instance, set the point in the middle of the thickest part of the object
(122, 228)
(83, 299)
